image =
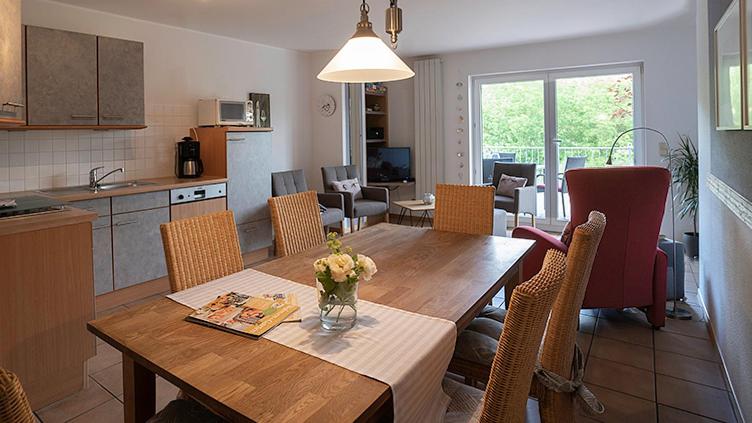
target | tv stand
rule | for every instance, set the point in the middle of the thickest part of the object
(393, 186)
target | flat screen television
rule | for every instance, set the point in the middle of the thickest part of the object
(388, 164)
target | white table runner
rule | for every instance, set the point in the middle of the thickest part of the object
(408, 351)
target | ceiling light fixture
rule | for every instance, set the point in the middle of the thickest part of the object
(365, 57)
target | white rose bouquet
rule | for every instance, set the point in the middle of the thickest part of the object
(338, 276)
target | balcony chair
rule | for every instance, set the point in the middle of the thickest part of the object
(525, 199)
(630, 269)
(573, 162)
(294, 181)
(374, 201)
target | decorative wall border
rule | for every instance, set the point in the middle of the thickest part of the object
(738, 205)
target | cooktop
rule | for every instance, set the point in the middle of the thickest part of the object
(31, 204)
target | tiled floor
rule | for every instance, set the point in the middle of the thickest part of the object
(640, 375)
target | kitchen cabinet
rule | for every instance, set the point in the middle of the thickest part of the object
(197, 208)
(61, 77)
(11, 70)
(121, 82)
(101, 243)
(137, 246)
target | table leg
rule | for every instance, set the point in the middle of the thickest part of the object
(139, 391)
(511, 284)
(401, 216)
(411, 218)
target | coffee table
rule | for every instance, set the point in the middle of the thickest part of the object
(410, 206)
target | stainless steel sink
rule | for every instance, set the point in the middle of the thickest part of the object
(85, 188)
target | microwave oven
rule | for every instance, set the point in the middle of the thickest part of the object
(218, 112)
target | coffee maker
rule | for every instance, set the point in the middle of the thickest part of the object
(188, 159)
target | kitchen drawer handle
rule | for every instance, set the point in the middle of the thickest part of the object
(247, 231)
(83, 116)
(126, 222)
(13, 104)
(235, 139)
(114, 117)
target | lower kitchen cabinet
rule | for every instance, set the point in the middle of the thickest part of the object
(102, 243)
(255, 235)
(137, 246)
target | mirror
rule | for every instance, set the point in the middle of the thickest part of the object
(729, 104)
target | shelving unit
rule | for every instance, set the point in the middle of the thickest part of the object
(377, 118)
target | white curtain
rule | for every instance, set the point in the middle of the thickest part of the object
(429, 126)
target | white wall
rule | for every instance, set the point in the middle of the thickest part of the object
(181, 66)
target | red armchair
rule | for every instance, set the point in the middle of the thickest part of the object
(629, 269)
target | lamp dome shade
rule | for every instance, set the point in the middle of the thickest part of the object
(365, 58)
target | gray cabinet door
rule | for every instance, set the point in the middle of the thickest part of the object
(137, 246)
(61, 77)
(11, 83)
(255, 235)
(121, 82)
(249, 172)
(102, 237)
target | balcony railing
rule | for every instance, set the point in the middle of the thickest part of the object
(596, 156)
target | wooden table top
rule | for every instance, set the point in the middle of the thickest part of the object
(415, 205)
(441, 274)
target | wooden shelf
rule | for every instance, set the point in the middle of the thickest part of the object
(71, 127)
(375, 141)
(376, 113)
(377, 95)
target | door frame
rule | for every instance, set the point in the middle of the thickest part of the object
(552, 221)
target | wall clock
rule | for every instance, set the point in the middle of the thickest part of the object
(327, 105)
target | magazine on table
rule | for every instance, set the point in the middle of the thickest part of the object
(245, 314)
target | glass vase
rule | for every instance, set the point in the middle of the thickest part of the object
(338, 307)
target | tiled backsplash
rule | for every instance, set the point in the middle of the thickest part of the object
(32, 160)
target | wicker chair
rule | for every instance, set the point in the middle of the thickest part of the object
(201, 249)
(14, 406)
(297, 222)
(471, 357)
(505, 399)
(464, 208)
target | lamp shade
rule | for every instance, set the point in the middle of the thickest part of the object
(365, 58)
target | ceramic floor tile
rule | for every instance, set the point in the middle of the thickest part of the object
(75, 405)
(109, 412)
(622, 352)
(620, 377)
(686, 345)
(691, 369)
(587, 324)
(627, 315)
(687, 327)
(623, 408)
(695, 398)
(166, 392)
(106, 357)
(672, 415)
(111, 378)
(146, 300)
(626, 332)
(103, 313)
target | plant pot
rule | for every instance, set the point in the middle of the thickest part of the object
(692, 244)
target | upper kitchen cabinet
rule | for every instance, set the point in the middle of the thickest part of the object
(121, 82)
(61, 77)
(11, 70)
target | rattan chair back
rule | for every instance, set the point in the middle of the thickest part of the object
(296, 219)
(14, 405)
(201, 249)
(559, 343)
(464, 208)
(512, 369)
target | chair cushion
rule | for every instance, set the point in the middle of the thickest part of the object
(476, 347)
(349, 185)
(363, 208)
(331, 216)
(486, 326)
(504, 203)
(185, 411)
(466, 402)
(507, 185)
(495, 313)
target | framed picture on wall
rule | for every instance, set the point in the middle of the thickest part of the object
(261, 110)
(730, 100)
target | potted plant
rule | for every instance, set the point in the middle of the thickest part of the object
(685, 171)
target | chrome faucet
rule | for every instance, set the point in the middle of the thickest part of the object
(94, 181)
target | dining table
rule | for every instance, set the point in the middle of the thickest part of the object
(445, 275)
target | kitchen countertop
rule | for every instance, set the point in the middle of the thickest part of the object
(160, 184)
(41, 221)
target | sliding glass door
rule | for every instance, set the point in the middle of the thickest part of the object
(557, 120)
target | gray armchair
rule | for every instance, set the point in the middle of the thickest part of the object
(525, 200)
(293, 182)
(375, 200)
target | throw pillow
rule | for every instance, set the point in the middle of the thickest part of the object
(507, 184)
(349, 185)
